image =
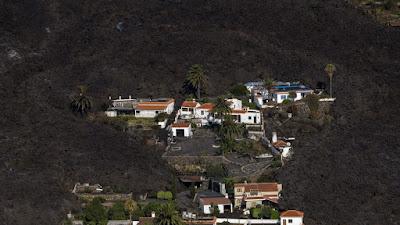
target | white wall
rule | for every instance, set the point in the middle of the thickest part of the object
(207, 209)
(247, 221)
(111, 113)
(187, 131)
(295, 220)
(201, 113)
(248, 117)
(147, 113)
(235, 103)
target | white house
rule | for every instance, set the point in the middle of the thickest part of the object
(207, 204)
(246, 116)
(150, 109)
(181, 129)
(253, 84)
(234, 103)
(292, 217)
(250, 195)
(281, 92)
(188, 109)
(121, 106)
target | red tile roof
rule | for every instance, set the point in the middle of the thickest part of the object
(238, 111)
(151, 107)
(263, 187)
(189, 104)
(201, 221)
(292, 213)
(215, 200)
(208, 106)
(279, 144)
(181, 125)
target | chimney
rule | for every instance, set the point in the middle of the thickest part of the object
(153, 214)
(120, 97)
(130, 96)
(245, 181)
(109, 97)
(274, 137)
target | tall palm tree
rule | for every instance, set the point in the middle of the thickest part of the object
(196, 78)
(221, 107)
(81, 103)
(168, 215)
(330, 69)
(268, 83)
(131, 206)
(229, 129)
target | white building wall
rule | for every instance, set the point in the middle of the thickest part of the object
(187, 131)
(201, 113)
(147, 113)
(294, 220)
(111, 113)
(207, 209)
(248, 117)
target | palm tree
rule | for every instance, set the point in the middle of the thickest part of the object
(81, 103)
(268, 83)
(292, 95)
(330, 69)
(229, 129)
(221, 107)
(196, 78)
(168, 215)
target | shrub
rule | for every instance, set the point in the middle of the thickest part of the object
(274, 214)
(312, 102)
(217, 171)
(161, 117)
(239, 90)
(117, 212)
(164, 195)
(286, 101)
(160, 195)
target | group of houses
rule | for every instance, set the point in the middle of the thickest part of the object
(277, 93)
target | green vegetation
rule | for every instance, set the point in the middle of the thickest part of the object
(264, 212)
(81, 103)
(269, 83)
(246, 103)
(131, 207)
(221, 107)
(216, 171)
(276, 162)
(312, 102)
(330, 69)
(168, 215)
(161, 117)
(95, 213)
(228, 131)
(196, 78)
(117, 212)
(215, 210)
(286, 102)
(239, 90)
(292, 95)
(165, 195)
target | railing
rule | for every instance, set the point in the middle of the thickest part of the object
(248, 221)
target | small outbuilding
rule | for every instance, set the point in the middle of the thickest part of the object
(292, 217)
(182, 129)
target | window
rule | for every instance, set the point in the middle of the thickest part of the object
(157, 112)
(202, 113)
(253, 192)
(184, 109)
(137, 112)
(283, 97)
(290, 221)
(249, 117)
(238, 190)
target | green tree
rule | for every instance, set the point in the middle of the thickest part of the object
(196, 78)
(312, 102)
(131, 207)
(330, 69)
(221, 107)
(117, 211)
(230, 129)
(168, 215)
(81, 103)
(214, 210)
(269, 83)
(292, 95)
(239, 90)
(95, 213)
(274, 214)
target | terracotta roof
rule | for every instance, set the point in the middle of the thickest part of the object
(155, 102)
(189, 104)
(151, 107)
(292, 213)
(263, 187)
(181, 125)
(208, 106)
(279, 144)
(146, 220)
(216, 201)
(236, 111)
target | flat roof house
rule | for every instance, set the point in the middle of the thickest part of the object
(281, 91)
(150, 109)
(181, 129)
(246, 116)
(249, 195)
(292, 217)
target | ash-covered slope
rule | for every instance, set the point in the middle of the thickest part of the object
(347, 174)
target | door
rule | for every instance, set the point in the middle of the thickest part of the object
(180, 132)
(255, 119)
